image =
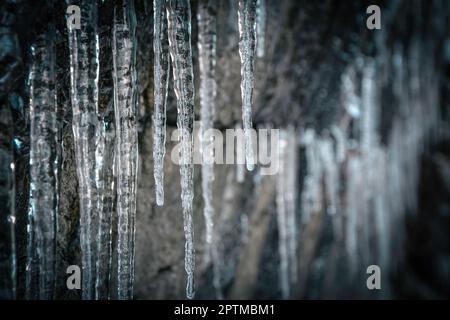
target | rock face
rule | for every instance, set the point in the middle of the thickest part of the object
(311, 49)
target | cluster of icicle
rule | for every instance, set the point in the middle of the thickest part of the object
(350, 173)
(105, 136)
(364, 185)
(105, 139)
(172, 36)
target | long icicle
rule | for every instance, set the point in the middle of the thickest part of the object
(104, 154)
(179, 26)
(260, 27)
(125, 90)
(290, 198)
(286, 210)
(247, 41)
(43, 167)
(206, 17)
(161, 82)
(207, 61)
(84, 70)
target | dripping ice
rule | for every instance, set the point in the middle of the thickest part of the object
(43, 171)
(179, 27)
(247, 41)
(125, 95)
(161, 67)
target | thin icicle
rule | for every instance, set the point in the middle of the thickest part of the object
(330, 172)
(104, 154)
(7, 210)
(260, 27)
(286, 210)
(282, 220)
(125, 94)
(369, 116)
(179, 26)
(351, 101)
(207, 61)
(240, 164)
(353, 202)
(161, 81)
(340, 142)
(247, 40)
(43, 168)
(311, 196)
(206, 17)
(84, 69)
(291, 200)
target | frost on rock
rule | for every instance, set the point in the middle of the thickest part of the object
(179, 26)
(247, 41)
(125, 95)
(44, 161)
(161, 81)
(7, 209)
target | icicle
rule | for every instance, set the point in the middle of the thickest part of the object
(179, 26)
(330, 169)
(247, 39)
(206, 17)
(291, 200)
(351, 101)
(104, 154)
(260, 27)
(286, 209)
(353, 200)
(7, 209)
(84, 69)
(161, 81)
(311, 197)
(282, 220)
(125, 89)
(340, 142)
(239, 154)
(207, 61)
(43, 167)
(368, 120)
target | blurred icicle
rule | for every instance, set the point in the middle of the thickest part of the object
(311, 196)
(351, 100)
(260, 27)
(341, 143)
(330, 171)
(44, 161)
(354, 202)
(7, 209)
(125, 98)
(207, 60)
(161, 82)
(247, 40)
(179, 26)
(206, 17)
(286, 209)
